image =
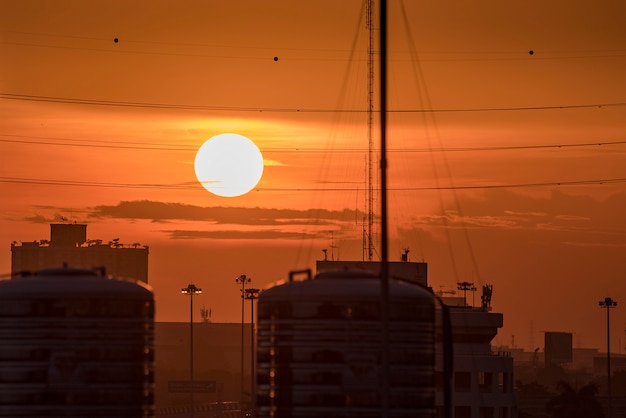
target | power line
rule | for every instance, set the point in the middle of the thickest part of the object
(66, 100)
(92, 102)
(202, 46)
(173, 54)
(39, 140)
(44, 140)
(194, 185)
(51, 182)
(465, 56)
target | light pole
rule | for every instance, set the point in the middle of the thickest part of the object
(465, 286)
(191, 290)
(608, 303)
(251, 295)
(242, 279)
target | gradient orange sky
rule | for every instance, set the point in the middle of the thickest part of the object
(505, 167)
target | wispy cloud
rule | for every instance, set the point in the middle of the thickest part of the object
(595, 244)
(231, 234)
(272, 163)
(187, 222)
(453, 220)
(55, 215)
(572, 218)
(524, 214)
(40, 219)
(163, 212)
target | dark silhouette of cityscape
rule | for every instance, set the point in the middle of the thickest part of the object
(309, 347)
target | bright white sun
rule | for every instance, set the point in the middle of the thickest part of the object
(229, 165)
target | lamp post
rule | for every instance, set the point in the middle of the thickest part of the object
(191, 290)
(465, 286)
(251, 295)
(242, 279)
(608, 303)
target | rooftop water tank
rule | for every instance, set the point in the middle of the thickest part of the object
(320, 348)
(76, 344)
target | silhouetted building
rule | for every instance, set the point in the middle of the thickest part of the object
(558, 348)
(68, 245)
(482, 382)
(404, 270)
(618, 364)
(320, 348)
(76, 343)
(217, 348)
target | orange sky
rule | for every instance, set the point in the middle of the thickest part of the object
(183, 73)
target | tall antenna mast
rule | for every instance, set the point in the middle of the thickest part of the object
(368, 245)
(384, 270)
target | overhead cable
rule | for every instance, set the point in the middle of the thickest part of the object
(92, 102)
(194, 185)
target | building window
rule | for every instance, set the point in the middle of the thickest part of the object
(485, 381)
(439, 411)
(462, 412)
(485, 412)
(503, 382)
(504, 412)
(439, 380)
(462, 382)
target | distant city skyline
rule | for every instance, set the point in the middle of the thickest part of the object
(505, 167)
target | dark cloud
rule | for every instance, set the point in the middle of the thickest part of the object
(510, 210)
(40, 219)
(163, 212)
(56, 217)
(230, 234)
(52, 214)
(253, 223)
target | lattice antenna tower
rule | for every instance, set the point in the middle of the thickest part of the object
(368, 244)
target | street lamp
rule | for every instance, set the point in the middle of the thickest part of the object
(465, 286)
(608, 303)
(191, 290)
(242, 279)
(251, 295)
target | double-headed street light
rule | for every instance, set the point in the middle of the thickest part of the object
(251, 295)
(608, 303)
(243, 280)
(191, 290)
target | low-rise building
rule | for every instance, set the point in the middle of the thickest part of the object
(68, 245)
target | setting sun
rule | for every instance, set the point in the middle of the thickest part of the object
(229, 165)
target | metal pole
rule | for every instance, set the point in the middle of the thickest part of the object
(252, 399)
(252, 294)
(191, 349)
(243, 285)
(384, 274)
(608, 357)
(243, 279)
(608, 303)
(191, 290)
